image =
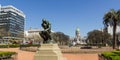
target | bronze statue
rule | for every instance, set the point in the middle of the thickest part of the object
(46, 33)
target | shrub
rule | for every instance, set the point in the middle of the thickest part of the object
(116, 52)
(14, 45)
(10, 46)
(18, 45)
(30, 45)
(114, 55)
(6, 55)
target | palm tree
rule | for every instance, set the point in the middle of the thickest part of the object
(112, 18)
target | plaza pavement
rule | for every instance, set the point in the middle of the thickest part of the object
(25, 55)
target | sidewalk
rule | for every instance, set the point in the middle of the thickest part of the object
(25, 55)
(81, 56)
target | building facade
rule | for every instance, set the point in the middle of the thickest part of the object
(32, 35)
(110, 29)
(11, 22)
(77, 36)
(78, 39)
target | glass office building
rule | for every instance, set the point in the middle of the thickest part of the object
(11, 22)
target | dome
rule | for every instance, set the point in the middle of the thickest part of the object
(77, 30)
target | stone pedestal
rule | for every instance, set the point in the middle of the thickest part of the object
(49, 52)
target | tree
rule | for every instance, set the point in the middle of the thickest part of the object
(60, 38)
(97, 37)
(112, 18)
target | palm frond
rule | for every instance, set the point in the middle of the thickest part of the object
(107, 19)
(118, 17)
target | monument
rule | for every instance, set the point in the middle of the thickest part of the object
(48, 50)
(77, 39)
(46, 33)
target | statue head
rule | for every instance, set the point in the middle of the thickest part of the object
(44, 20)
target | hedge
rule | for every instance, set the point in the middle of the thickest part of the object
(18, 45)
(6, 55)
(114, 55)
(10, 46)
(30, 45)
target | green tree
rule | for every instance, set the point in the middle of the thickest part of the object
(112, 18)
(97, 37)
(60, 38)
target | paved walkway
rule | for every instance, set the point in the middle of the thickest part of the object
(25, 55)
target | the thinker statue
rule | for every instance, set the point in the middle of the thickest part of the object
(46, 33)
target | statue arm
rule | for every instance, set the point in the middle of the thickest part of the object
(49, 27)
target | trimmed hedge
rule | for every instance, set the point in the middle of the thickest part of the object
(30, 45)
(6, 55)
(114, 55)
(18, 45)
(10, 46)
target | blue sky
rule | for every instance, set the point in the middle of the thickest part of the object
(65, 15)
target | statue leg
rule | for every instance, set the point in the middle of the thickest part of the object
(42, 34)
(49, 36)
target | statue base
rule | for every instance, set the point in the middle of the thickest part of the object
(49, 52)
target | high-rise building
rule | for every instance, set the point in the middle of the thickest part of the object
(11, 22)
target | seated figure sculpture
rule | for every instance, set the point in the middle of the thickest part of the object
(46, 33)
